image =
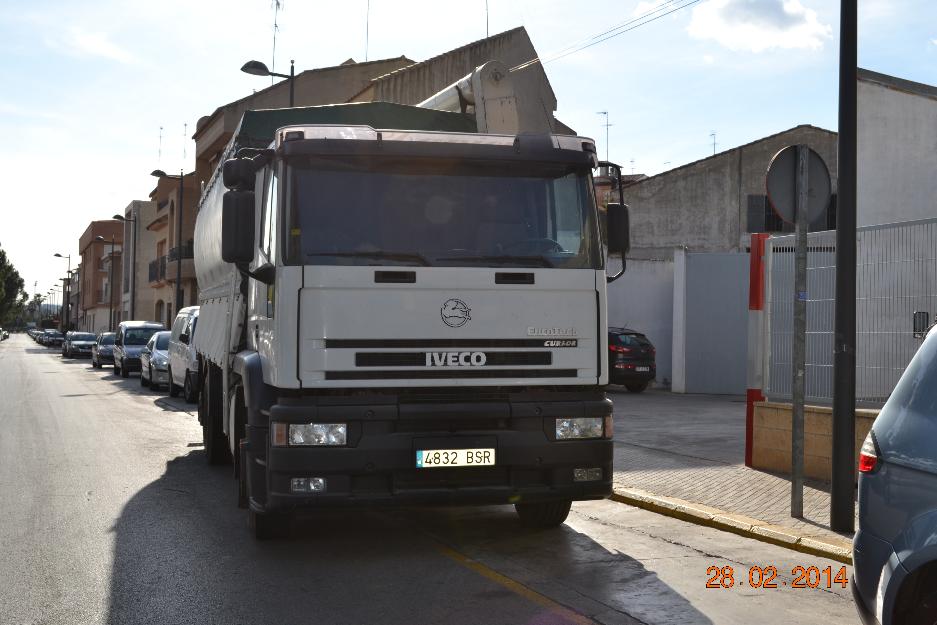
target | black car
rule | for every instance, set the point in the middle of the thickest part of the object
(103, 350)
(630, 359)
(53, 338)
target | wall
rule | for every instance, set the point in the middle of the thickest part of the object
(710, 322)
(642, 299)
(897, 150)
(703, 206)
(771, 438)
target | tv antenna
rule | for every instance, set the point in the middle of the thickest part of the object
(713, 135)
(277, 5)
(607, 125)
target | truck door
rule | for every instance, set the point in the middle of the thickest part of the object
(262, 297)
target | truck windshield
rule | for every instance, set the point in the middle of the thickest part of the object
(447, 213)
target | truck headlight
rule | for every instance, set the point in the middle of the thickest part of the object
(571, 428)
(309, 434)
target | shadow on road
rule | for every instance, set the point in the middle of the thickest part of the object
(183, 554)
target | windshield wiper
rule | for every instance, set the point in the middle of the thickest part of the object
(543, 261)
(411, 256)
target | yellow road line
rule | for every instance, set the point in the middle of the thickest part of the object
(516, 587)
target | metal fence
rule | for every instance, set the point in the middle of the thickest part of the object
(896, 275)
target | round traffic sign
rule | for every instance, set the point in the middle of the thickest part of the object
(781, 184)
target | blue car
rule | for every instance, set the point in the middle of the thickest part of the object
(895, 549)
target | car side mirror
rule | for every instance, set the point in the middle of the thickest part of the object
(237, 227)
(184, 338)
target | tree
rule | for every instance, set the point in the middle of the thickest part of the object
(12, 295)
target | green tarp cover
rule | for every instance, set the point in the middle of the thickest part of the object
(258, 127)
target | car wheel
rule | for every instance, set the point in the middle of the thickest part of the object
(188, 389)
(173, 388)
(143, 381)
(124, 373)
(543, 514)
(925, 613)
(636, 387)
(116, 368)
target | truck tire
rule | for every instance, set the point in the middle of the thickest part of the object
(267, 526)
(173, 389)
(543, 514)
(124, 372)
(213, 437)
(189, 394)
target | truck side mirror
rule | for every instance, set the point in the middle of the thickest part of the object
(237, 227)
(920, 322)
(238, 173)
(619, 229)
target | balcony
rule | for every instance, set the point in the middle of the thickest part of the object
(158, 270)
(188, 265)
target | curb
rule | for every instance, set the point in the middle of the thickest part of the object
(832, 548)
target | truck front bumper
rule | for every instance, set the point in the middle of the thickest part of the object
(379, 463)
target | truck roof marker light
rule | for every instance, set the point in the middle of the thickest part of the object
(868, 455)
(294, 135)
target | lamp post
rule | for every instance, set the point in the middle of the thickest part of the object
(159, 173)
(65, 299)
(110, 283)
(133, 261)
(256, 68)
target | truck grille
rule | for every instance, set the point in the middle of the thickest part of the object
(453, 373)
(418, 359)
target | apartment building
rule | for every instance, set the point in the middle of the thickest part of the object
(100, 249)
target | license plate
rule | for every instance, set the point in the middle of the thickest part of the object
(432, 458)
(642, 369)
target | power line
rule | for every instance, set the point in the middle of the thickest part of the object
(613, 32)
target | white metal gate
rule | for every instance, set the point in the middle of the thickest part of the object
(896, 276)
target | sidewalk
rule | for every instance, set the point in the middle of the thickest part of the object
(683, 455)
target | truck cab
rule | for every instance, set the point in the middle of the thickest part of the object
(397, 316)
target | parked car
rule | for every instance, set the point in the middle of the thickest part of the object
(78, 344)
(102, 352)
(132, 337)
(895, 549)
(183, 363)
(4, 335)
(630, 359)
(53, 338)
(154, 361)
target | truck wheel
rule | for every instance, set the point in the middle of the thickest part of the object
(267, 526)
(636, 387)
(173, 389)
(188, 389)
(543, 514)
(124, 372)
(213, 437)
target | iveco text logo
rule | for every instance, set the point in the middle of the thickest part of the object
(455, 313)
(455, 359)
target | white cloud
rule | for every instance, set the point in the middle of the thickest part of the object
(81, 42)
(708, 59)
(758, 25)
(644, 7)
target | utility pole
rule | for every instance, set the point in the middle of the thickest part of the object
(842, 488)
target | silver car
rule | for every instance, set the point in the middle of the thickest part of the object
(154, 361)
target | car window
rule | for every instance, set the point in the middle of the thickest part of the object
(138, 336)
(916, 391)
(151, 343)
(107, 339)
(631, 340)
(81, 336)
(161, 340)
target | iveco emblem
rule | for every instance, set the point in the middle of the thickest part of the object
(455, 313)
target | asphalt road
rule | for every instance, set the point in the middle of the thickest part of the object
(110, 515)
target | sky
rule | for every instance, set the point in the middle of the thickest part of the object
(85, 86)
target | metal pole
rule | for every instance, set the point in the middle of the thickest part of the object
(292, 75)
(133, 265)
(842, 493)
(179, 243)
(799, 338)
(110, 289)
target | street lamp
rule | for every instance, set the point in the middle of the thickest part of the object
(65, 300)
(133, 261)
(256, 68)
(159, 173)
(110, 284)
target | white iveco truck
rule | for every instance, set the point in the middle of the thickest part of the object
(397, 307)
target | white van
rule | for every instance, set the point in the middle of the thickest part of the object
(183, 365)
